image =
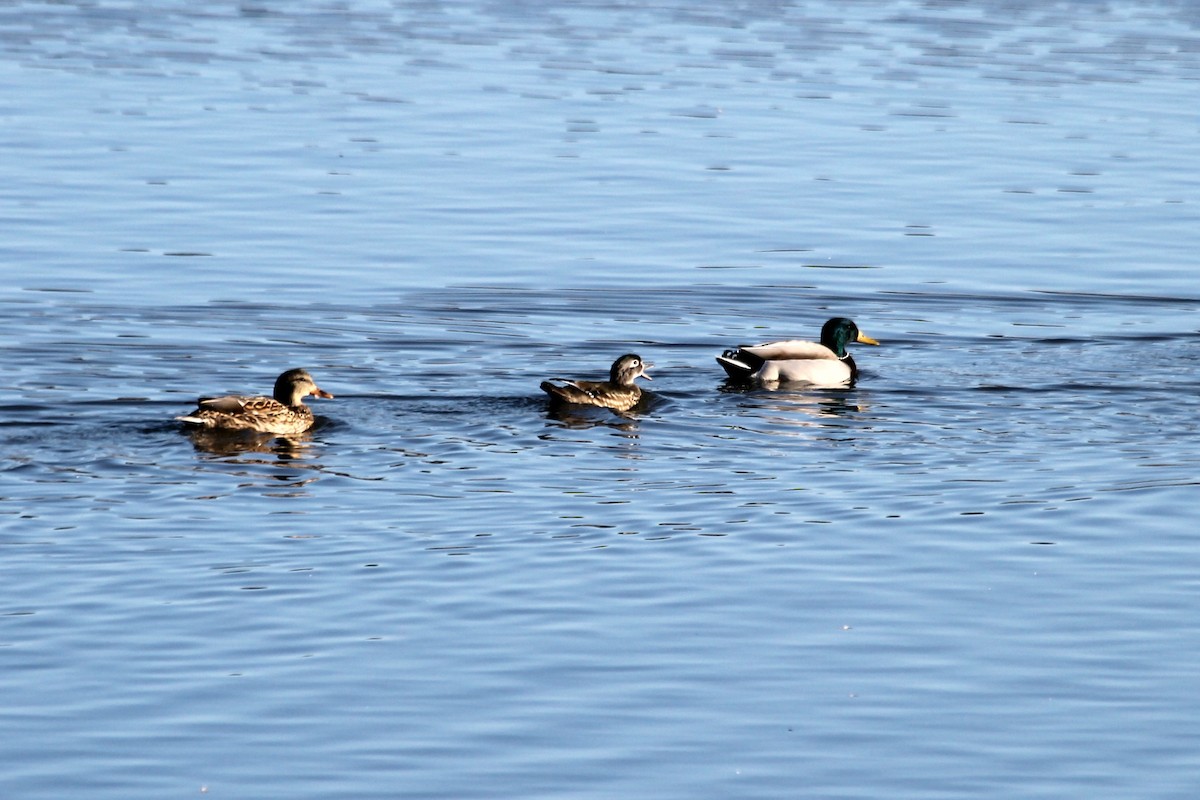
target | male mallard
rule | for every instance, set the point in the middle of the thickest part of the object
(283, 414)
(619, 392)
(826, 364)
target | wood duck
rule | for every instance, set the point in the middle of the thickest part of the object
(619, 392)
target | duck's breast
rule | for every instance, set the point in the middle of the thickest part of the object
(815, 372)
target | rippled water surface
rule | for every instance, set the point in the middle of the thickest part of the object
(973, 575)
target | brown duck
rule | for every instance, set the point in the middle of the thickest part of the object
(283, 414)
(619, 392)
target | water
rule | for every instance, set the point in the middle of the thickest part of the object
(972, 575)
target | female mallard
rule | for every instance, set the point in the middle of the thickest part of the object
(826, 364)
(283, 414)
(619, 392)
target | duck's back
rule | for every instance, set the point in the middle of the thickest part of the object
(790, 349)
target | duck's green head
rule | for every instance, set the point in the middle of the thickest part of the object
(839, 331)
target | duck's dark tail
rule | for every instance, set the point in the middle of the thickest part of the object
(565, 392)
(740, 365)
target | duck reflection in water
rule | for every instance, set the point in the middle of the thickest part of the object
(581, 418)
(282, 465)
(817, 405)
(223, 442)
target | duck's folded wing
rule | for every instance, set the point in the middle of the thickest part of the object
(230, 404)
(791, 349)
(570, 391)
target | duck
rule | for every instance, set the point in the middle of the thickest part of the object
(619, 392)
(284, 413)
(824, 364)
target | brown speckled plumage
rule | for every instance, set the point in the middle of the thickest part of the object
(619, 392)
(284, 413)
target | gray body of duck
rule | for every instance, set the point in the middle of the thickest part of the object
(824, 364)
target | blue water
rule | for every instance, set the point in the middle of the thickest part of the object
(974, 575)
